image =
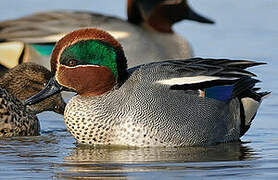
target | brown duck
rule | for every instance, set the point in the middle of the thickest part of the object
(19, 83)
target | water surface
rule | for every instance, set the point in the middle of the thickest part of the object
(245, 29)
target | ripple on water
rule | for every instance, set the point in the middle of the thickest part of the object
(240, 31)
(84, 161)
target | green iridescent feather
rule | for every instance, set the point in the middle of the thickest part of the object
(92, 52)
(43, 49)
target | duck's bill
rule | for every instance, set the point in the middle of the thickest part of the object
(192, 15)
(51, 88)
(180, 8)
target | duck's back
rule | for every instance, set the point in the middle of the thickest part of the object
(141, 44)
(175, 117)
(15, 118)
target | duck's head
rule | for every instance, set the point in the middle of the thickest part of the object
(26, 80)
(89, 62)
(162, 14)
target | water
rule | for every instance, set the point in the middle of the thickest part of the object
(245, 29)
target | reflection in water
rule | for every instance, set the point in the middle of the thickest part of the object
(33, 156)
(221, 152)
(108, 162)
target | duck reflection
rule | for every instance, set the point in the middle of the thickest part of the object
(109, 162)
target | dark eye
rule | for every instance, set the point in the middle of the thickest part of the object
(56, 107)
(72, 62)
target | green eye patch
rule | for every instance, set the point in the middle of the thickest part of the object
(91, 52)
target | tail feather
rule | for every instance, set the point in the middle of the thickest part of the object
(264, 94)
(242, 87)
(249, 104)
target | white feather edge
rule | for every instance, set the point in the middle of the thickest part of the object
(191, 80)
(84, 66)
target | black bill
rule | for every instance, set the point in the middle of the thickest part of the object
(180, 9)
(51, 88)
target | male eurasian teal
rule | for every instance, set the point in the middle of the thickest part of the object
(19, 83)
(32, 38)
(170, 103)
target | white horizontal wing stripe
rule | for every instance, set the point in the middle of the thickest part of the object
(191, 80)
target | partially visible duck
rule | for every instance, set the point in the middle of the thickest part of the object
(170, 103)
(161, 15)
(19, 83)
(32, 38)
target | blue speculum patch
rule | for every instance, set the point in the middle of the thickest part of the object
(43, 49)
(222, 93)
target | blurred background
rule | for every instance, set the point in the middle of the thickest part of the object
(243, 29)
